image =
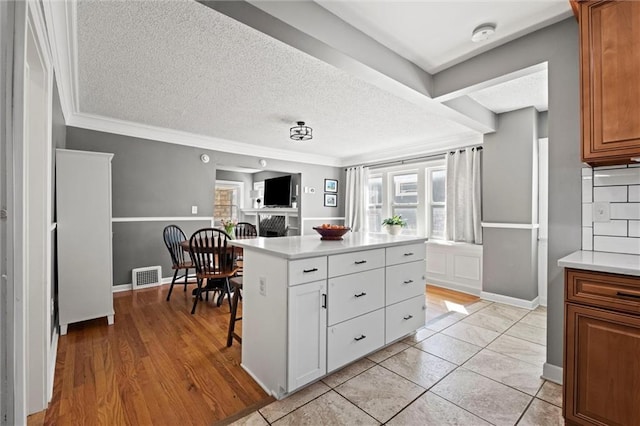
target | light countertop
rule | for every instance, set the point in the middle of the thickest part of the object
(301, 247)
(615, 263)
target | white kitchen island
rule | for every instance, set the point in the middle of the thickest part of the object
(313, 306)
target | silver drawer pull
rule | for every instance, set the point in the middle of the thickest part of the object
(361, 294)
(408, 317)
(357, 339)
(306, 271)
(408, 254)
(629, 295)
(360, 262)
(407, 282)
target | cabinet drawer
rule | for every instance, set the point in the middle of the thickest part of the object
(407, 253)
(404, 317)
(349, 263)
(355, 294)
(405, 281)
(355, 338)
(621, 293)
(307, 270)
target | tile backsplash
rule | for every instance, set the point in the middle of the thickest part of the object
(616, 189)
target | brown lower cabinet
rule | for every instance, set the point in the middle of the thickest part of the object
(602, 349)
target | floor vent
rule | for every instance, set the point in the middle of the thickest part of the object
(149, 276)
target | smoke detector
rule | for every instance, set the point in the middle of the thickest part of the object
(483, 32)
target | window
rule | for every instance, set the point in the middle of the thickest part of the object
(227, 200)
(374, 205)
(416, 192)
(436, 190)
(405, 199)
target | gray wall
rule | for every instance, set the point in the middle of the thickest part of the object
(510, 255)
(558, 45)
(507, 168)
(157, 179)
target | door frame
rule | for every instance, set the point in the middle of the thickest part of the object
(7, 11)
(29, 178)
(543, 218)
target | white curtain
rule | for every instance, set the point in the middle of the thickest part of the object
(464, 204)
(355, 198)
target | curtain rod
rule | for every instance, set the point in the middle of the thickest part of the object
(415, 159)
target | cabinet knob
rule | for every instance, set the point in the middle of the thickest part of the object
(408, 254)
(306, 271)
(360, 262)
(361, 294)
(408, 317)
(362, 336)
(407, 282)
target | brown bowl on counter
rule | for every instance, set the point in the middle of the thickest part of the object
(332, 233)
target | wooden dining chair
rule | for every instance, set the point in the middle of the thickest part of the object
(180, 260)
(214, 259)
(245, 230)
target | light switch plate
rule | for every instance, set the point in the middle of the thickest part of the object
(194, 209)
(601, 211)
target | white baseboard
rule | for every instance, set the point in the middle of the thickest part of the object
(553, 373)
(53, 356)
(508, 300)
(543, 301)
(127, 287)
(454, 286)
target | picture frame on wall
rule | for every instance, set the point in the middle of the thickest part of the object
(330, 185)
(331, 200)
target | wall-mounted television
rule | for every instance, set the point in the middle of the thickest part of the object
(277, 192)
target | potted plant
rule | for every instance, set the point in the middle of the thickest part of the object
(394, 224)
(229, 225)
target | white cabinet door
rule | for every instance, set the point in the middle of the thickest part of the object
(307, 353)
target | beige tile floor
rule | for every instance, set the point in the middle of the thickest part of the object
(476, 367)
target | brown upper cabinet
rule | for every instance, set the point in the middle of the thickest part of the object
(610, 81)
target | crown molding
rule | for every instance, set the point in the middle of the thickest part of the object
(162, 134)
(61, 18)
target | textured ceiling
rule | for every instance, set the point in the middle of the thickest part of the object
(184, 66)
(437, 34)
(530, 90)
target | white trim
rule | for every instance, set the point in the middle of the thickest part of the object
(324, 218)
(53, 226)
(468, 289)
(553, 373)
(61, 27)
(163, 219)
(510, 225)
(129, 286)
(508, 300)
(122, 287)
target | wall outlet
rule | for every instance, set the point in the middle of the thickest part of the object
(263, 286)
(601, 211)
(194, 209)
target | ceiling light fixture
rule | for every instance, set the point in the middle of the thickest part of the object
(301, 132)
(483, 32)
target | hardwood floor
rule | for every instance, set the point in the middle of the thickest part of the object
(160, 365)
(157, 364)
(441, 300)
